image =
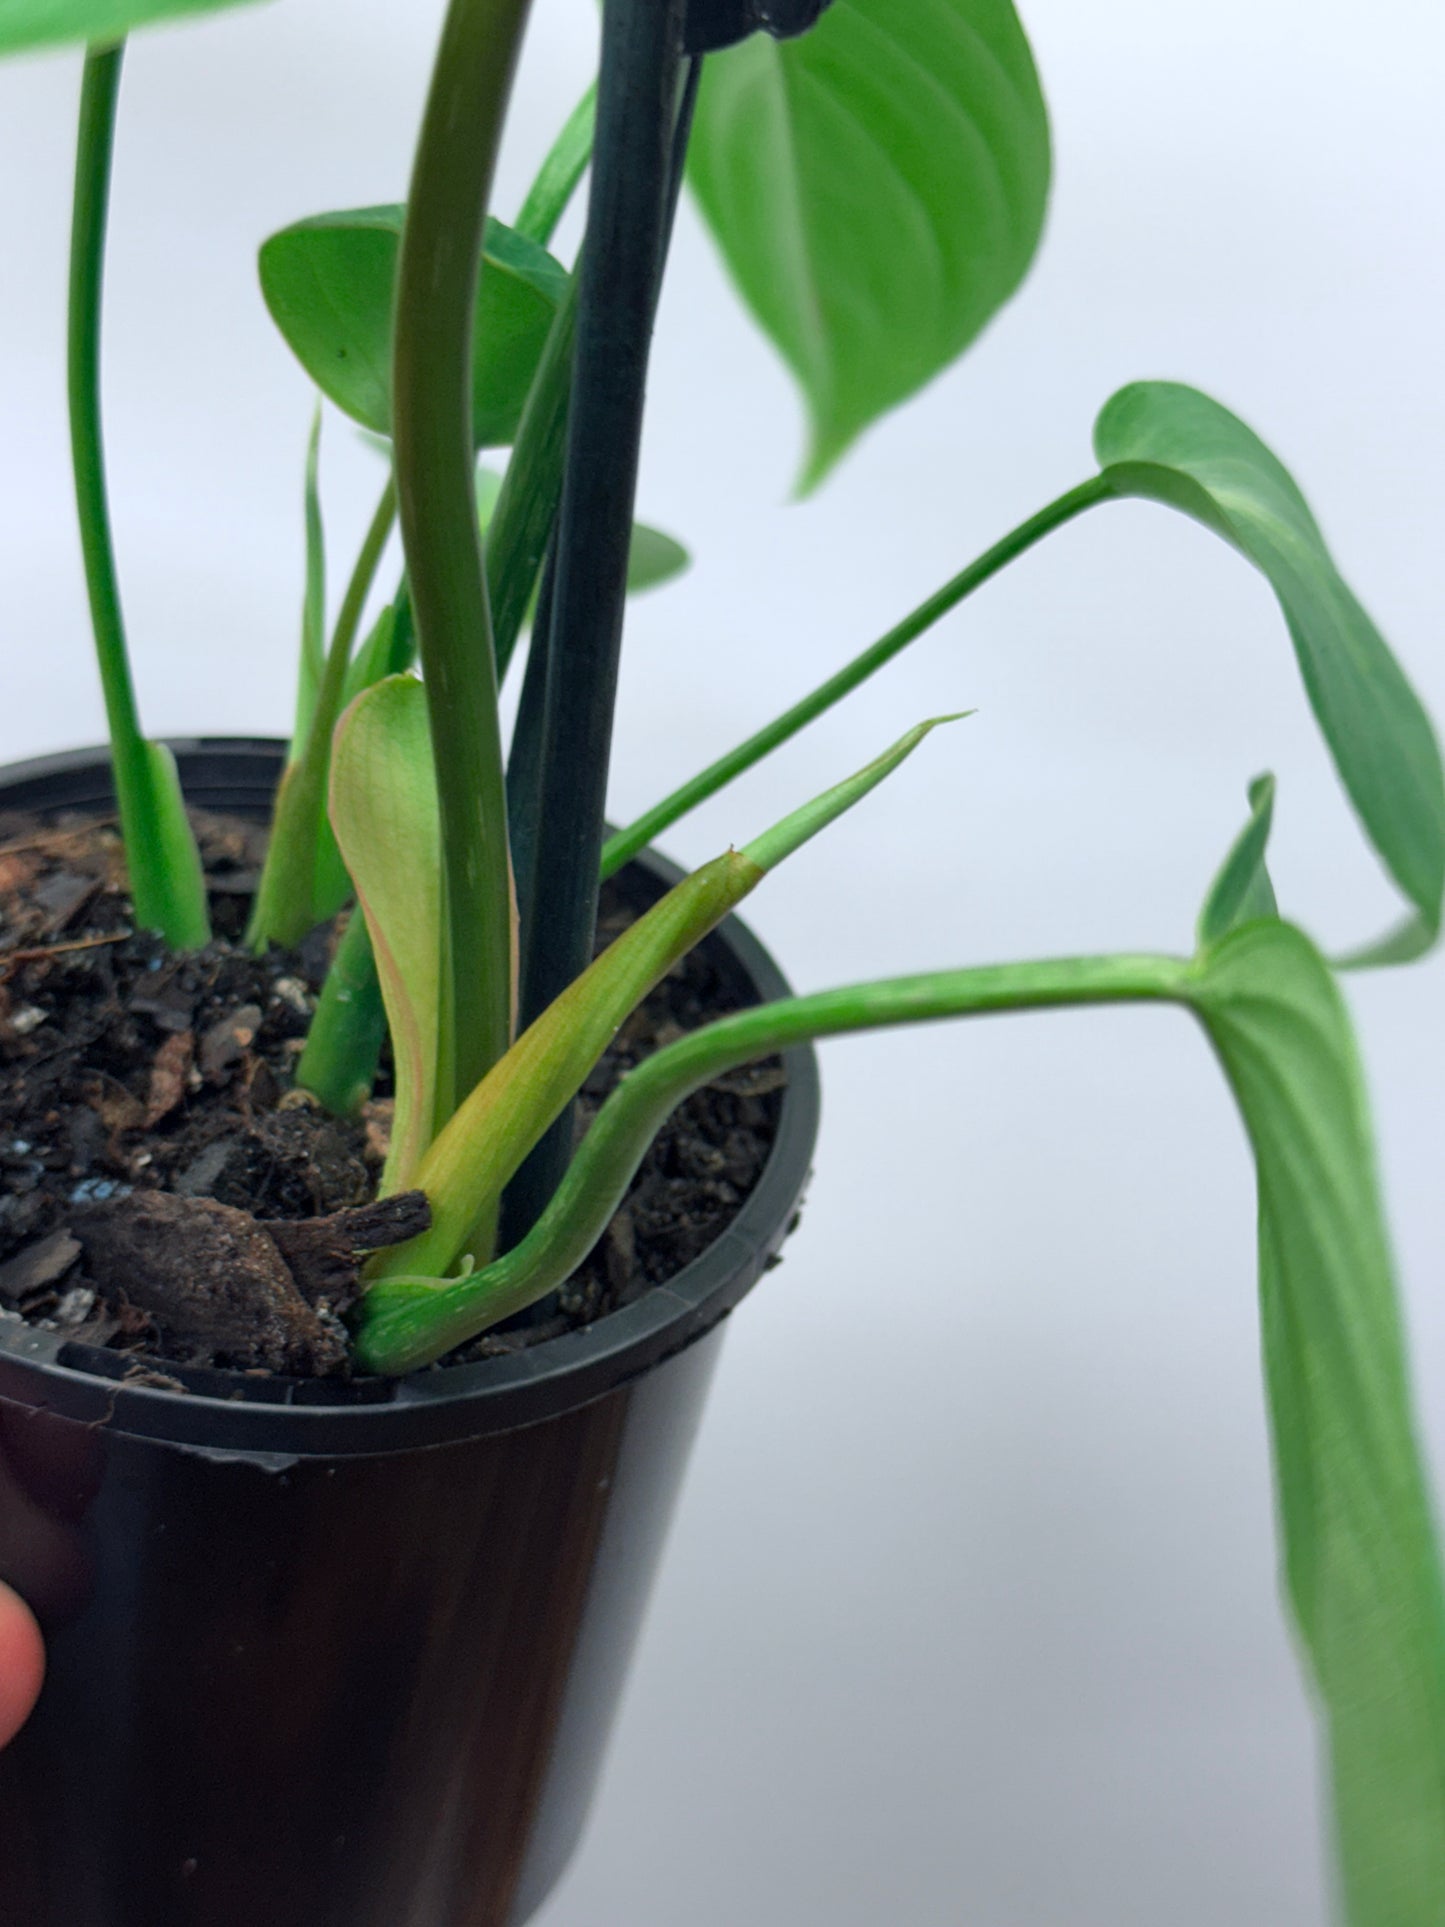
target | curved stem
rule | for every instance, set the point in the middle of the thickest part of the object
(407, 1322)
(165, 871)
(622, 847)
(435, 463)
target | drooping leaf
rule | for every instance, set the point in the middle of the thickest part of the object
(484, 1143)
(1360, 1554)
(1169, 443)
(1360, 1549)
(1242, 891)
(47, 23)
(330, 284)
(384, 812)
(877, 188)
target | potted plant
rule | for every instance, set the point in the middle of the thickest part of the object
(466, 1803)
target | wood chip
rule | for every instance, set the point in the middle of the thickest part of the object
(170, 1076)
(225, 1044)
(38, 1266)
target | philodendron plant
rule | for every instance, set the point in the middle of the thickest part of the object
(875, 174)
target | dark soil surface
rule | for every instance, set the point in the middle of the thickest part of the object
(166, 1193)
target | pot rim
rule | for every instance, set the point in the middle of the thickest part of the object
(232, 1414)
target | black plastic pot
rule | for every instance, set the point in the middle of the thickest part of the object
(342, 1656)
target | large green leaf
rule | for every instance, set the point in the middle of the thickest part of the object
(1171, 444)
(877, 188)
(330, 284)
(384, 812)
(1360, 1555)
(45, 23)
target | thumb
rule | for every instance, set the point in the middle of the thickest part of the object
(22, 1663)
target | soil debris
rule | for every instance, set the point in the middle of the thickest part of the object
(167, 1192)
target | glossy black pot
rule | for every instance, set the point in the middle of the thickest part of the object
(342, 1656)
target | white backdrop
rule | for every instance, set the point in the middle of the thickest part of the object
(969, 1619)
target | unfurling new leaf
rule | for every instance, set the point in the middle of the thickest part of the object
(384, 812)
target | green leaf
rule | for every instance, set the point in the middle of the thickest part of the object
(1242, 891)
(330, 284)
(1360, 1553)
(654, 558)
(1168, 443)
(1360, 1556)
(384, 812)
(46, 23)
(877, 187)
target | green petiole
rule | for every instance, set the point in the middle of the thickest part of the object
(435, 468)
(299, 887)
(560, 172)
(626, 843)
(343, 1045)
(167, 884)
(407, 1320)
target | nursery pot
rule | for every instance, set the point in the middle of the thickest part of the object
(329, 1655)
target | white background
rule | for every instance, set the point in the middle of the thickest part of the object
(969, 1619)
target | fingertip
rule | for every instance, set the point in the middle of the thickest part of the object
(22, 1663)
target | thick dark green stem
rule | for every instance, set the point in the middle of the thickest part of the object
(625, 845)
(629, 215)
(435, 468)
(165, 872)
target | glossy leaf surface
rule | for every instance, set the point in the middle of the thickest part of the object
(1171, 444)
(330, 284)
(45, 23)
(384, 812)
(877, 188)
(1360, 1554)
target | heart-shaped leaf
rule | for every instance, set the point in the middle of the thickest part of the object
(877, 188)
(45, 23)
(1360, 1555)
(330, 284)
(384, 812)
(1171, 444)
